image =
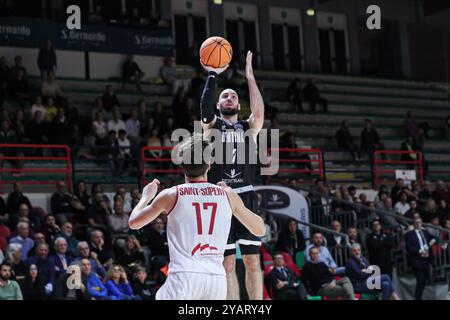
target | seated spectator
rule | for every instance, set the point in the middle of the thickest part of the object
(109, 99)
(84, 252)
(116, 124)
(324, 254)
(131, 254)
(154, 140)
(370, 140)
(124, 157)
(353, 236)
(60, 261)
(335, 240)
(50, 110)
(67, 234)
(19, 127)
(23, 213)
(81, 193)
(94, 286)
(410, 126)
(387, 216)
(116, 282)
(42, 261)
(9, 289)
(429, 211)
(99, 129)
(133, 126)
(50, 229)
(294, 94)
(357, 269)
(97, 214)
(291, 239)
(157, 243)
(64, 292)
(414, 209)
(20, 89)
(16, 198)
(321, 280)
(38, 238)
(15, 259)
(398, 188)
(23, 232)
(46, 60)
(140, 284)
(442, 211)
(61, 129)
(170, 77)
(409, 145)
(100, 247)
(131, 72)
(118, 221)
(38, 105)
(440, 192)
(283, 281)
(401, 207)
(345, 141)
(98, 188)
(61, 203)
(311, 94)
(50, 89)
(380, 245)
(135, 196)
(32, 287)
(18, 68)
(38, 131)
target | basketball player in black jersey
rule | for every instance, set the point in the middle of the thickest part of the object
(237, 176)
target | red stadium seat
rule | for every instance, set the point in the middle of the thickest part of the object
(291, 264)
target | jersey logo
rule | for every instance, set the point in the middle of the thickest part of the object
(232, 174)
(202, 247)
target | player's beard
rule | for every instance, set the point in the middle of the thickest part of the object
(228, 111)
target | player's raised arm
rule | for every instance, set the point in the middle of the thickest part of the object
(256, 119)
(145, 213)
(253, 222)
(208, 99)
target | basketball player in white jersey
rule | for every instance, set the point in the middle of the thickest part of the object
(198, 223)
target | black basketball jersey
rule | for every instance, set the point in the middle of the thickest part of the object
(233, 172)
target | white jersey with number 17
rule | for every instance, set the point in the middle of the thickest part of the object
(198, 228)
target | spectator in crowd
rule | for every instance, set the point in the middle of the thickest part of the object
(60, 261)
(84, 252)
(410, 126)
(380, 245)
(15, 258)
(97, 214)
(20, 89)
(397, 189)
(414, 209)
(38, 238)
(157, 243)
(38, 105)
(283, 281)
(18, 67)
(440, 192)
(100, 247)
(291, 239)
(429, 211)
(42, 261)
(131, 254)
(418, 243)
(409, 145)
(358, 270)
(197, 83)
(50, 89)
(118, 286)
(46, 60)
(133, 126)
(294, 94)
(442, 211)
(67, 234)
(124, 156)
(140, 284)
(336, 240)
(170, 77)
(81, 192)
(321, 281)
(370, 140)
(18, 125)
(143, 116)
(38, 131)
(118, 221)
(116, 124)
(61, 129)
(324, 255)
(99, 129)
(109, 98)
(98, 188)
(353, 236)
(16, 198)
(98, 107)
(311, 94)
(345, 140)
(131, 72)
(94, 286)
(23, 232)
(387, 216)
(23, 213)
(61, 203)
(9, 289)
(402, 206)
(50, 110)
(32, 287)
(50, 229)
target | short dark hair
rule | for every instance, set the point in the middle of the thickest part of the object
(190, 168)
(5, 263)
(122, 132)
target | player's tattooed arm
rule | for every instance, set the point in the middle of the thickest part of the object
(253, 222)
(144, 213)
(256, 119)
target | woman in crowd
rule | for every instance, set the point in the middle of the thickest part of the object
(131, 254)
(291, 239)
(32, 287)
(116, 282)
(140, 284)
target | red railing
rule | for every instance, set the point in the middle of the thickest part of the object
(377, 162)
(145, 159)
(36, 169)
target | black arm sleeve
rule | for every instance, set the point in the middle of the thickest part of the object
(207, 102)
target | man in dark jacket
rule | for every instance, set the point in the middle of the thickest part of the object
(345, 140)
(379, 246)
(283, 281)
(46, 59)
(370, 140)
(312, 95)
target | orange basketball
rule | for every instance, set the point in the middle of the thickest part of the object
(216, 52)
